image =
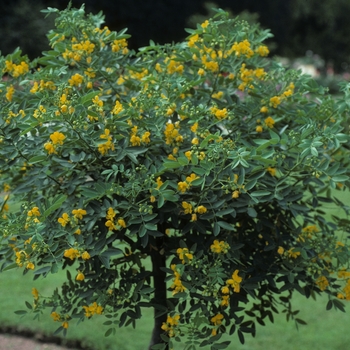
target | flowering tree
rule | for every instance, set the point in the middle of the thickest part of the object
(188, 178)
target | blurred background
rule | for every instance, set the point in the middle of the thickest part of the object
(310, 33)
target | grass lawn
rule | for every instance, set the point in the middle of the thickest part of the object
(326, 330)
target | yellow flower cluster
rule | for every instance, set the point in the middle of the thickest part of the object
(170, 325)
(247, 76)
(234, 282)
(78, 50)
(93, 309)
(23, 258)
(219, 113)
(242, 48)
(76, 80)
(56, 138)
(10, 90)
(79, 213)
(120, 45)
(269, 122)
(177, 285)
(175, 67)
(183, 186)
(42, 85)
(343, 274)
(16, 69)
(322, 283)
(57, 317)
(275, 101)
(184, 255)
(103, 148)
(117, 108)
(216, 320)
(73, 253)
(219, 247)
(172, 134)
(111, 224)
(292, 254)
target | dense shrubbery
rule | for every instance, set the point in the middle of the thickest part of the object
(205, 156)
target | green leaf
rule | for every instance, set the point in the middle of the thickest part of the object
(42, 270)
(340, 178)
(260, 193)
(37, 159)
(56, 203)
(171, 165)
(252, 212)
(226, 225)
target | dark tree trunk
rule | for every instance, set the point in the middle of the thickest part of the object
(160, 293)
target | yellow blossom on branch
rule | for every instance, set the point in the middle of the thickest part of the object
(64, 219)
(184, 255)
(57, 138)
(219, 247)
(235, 282)
(79, 213)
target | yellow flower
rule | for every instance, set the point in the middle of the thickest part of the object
(93, 309)
(218, 95)
(35, 293)
(225, 300)
(263, 109)
(159, 182)
(225, 290)
(183, 186)
(71, 253)
(187, 207)
(76, 80)
(79, 213)
(235, 194)
(80, 277)
(269, 122)
(259, 128)
(77, 231)
(145, 137)
(188, 155)
(184, 254)
(272, 171)
(64, 219)
(322, 282)
(30, 266)
(205, 24)
(275, 101)
(65, 324)
(191, 178)
(262, 50)
(34, 212)
(219, 247)
(50, 148)
(235, 281)
(280, 250)
(292, 253)
(57, 138)
(121, 223)
(194, 127)
(201, 209)
(85, 256)
(9, 93)
(217, 319)
(55, 316)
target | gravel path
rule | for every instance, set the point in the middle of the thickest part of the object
(13, 342)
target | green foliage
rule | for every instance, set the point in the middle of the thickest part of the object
(203, 155)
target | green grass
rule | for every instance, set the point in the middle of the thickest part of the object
(325, 330)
